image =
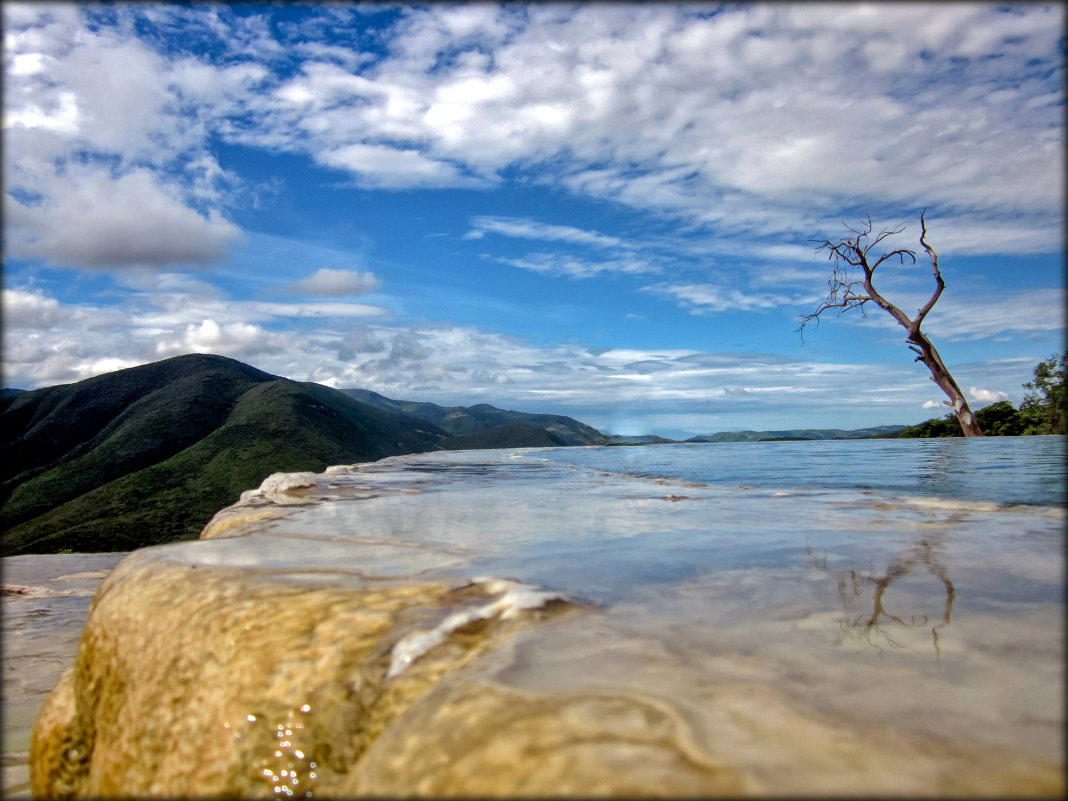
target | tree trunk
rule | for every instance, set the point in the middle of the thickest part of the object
(941, 376)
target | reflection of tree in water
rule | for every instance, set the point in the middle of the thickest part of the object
(878, 624)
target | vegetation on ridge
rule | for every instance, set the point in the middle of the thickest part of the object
(470, 420)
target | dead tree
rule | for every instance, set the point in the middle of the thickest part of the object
(852, 290)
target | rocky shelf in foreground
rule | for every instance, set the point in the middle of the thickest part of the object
(499, 623)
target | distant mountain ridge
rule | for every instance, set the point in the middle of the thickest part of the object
(472, 420)
(798, 433)
(639, 439)
(148, 454)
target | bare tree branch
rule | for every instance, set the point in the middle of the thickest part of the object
(939, 283)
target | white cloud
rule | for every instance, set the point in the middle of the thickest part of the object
(114, 87)
(651, 107)
(531, 229)
(171, 301)
(975, 316)
(61, 117)
(986, 395)
(385, 166)
(752, 119)
(238, 340)
(98, 134)
(322, 309)
(108, 364)
(334, 283)
(966, 235)
(28, 310)
(710, 298)
(47, 342)
(574, 267)
(121, 92)
(92, 219)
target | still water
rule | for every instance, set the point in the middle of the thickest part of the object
(1010, 470)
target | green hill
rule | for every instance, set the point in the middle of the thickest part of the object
(468, 420)
(149, 454)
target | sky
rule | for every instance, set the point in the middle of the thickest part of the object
(608, 211)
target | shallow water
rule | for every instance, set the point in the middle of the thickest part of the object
(930, 601)
(45, 602)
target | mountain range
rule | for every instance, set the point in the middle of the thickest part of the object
(148, 454)
(798, 434)
(469, 421)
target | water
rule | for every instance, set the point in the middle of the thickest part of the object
(915, 584)
(1009, 470)
(44, 606)
(875, 617)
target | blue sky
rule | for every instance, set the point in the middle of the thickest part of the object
(605, 211)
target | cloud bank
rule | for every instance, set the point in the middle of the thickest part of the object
(750, 121)
(346, 345)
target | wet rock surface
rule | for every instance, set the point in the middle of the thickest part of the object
(282, 684)
(499, 624)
